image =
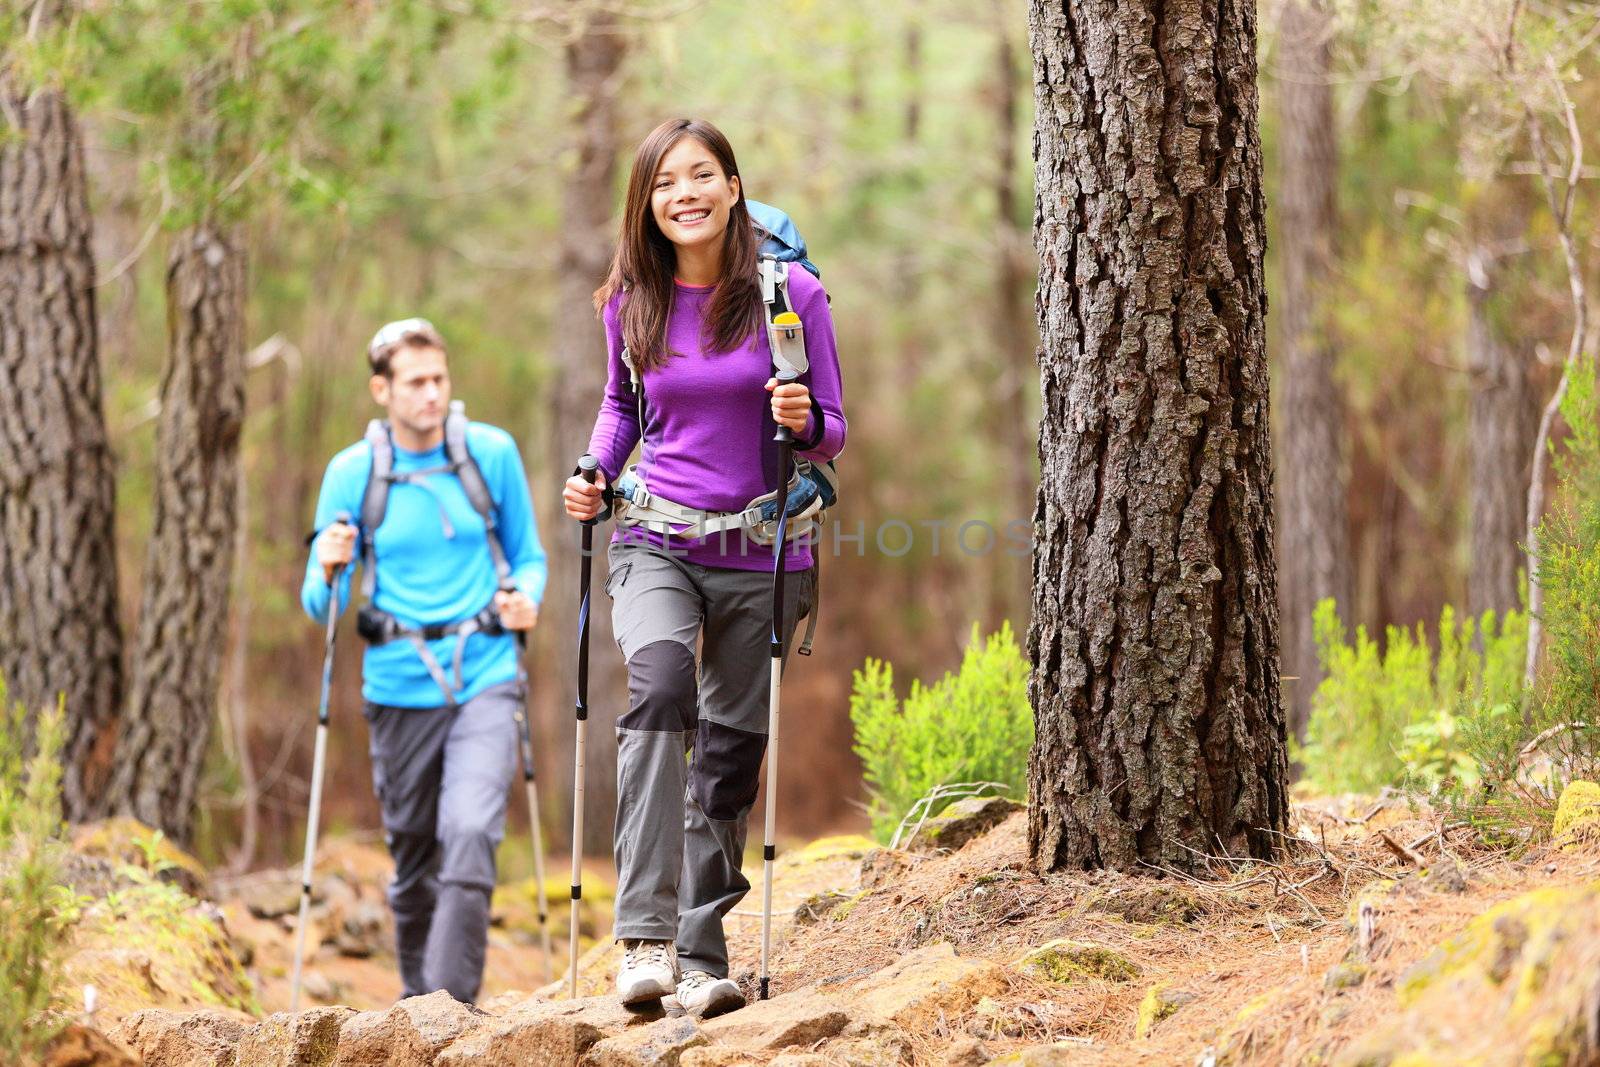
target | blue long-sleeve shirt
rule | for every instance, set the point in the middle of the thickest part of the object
(426, 577)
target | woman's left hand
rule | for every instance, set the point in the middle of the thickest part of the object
(791, 404)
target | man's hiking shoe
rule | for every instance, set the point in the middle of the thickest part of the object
(649, 971)
(703, 995)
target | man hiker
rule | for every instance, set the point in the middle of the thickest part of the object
(450, 565)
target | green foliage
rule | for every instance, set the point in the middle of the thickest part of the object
(228, 102)
(33, 905)
(1569, 569)
(973, 725)
(1409, 712)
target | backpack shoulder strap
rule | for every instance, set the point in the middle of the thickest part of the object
(472, 483)
(375, 501)
(774, 285)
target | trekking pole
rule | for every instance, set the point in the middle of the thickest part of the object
(589, 466)
(525, 730)
(769, 849)
(318, 764)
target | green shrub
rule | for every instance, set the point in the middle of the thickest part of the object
(1569, 568)
(973, 725)
(1408, 713)
(33, 919)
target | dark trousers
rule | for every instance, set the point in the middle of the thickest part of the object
(442, 777)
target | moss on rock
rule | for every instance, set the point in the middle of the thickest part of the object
(1160, 1002)
(1577, 822)
(1065, 962)
(1512, 986)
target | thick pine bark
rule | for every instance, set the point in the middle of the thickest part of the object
(1502, 421)
(183, 620)
(1313, 525)
(1155, 625)
(593, 63)
(59, 635)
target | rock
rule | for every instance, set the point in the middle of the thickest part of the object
(1445, 876)
(90, 876)
(1515, 985)
(818, 906)
(1067, 961)
(596, 969)
(129, 841)
(364, 930)
(307, 1039)
(182, 1039)
(1577, 822)
(273, 898)
(715, 1056)
(659, 1044)
(966, 1052)
(410, 1034)
(1160, 1002)
(84, 1046)
(801, 1059)
(1342, 976)
(881, 866)
(992, 1020)
(319, 986)
(1151, 904)
(550, 1033)
(799, 1018)
(926, 985)
(501, 1003)
(961, 822)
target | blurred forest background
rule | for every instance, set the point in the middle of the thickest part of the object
(463, 160)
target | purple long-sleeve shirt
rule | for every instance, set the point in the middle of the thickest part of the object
(708, 441)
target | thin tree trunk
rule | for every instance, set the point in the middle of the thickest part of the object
(1155, 627)
(1501, 428)
(183, 620)
(59, 631)
(1313, 526)
(594, 64)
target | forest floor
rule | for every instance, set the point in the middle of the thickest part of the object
(1384, 934)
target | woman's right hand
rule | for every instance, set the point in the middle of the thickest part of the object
(583, 499)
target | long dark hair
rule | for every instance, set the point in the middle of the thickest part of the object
(644, 262)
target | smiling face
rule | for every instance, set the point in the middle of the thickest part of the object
(691, 197)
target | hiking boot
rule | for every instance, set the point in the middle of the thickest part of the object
(649, 971)
(704, 995)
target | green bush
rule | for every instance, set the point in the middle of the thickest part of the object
(33, 920)
(1408, 713)
(1569, 568)
(973, 725)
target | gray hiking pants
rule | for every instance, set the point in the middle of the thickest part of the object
(442, 777)
(680, 831)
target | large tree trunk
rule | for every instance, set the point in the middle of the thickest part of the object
(183, 620)
(578, 355)
(1501, 430)
(59, 631)
(1313, 527)
(1155, 620)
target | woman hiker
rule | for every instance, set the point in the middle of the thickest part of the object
(684, 301)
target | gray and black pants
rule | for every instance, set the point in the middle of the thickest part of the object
(680, 831)
(442, 777)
